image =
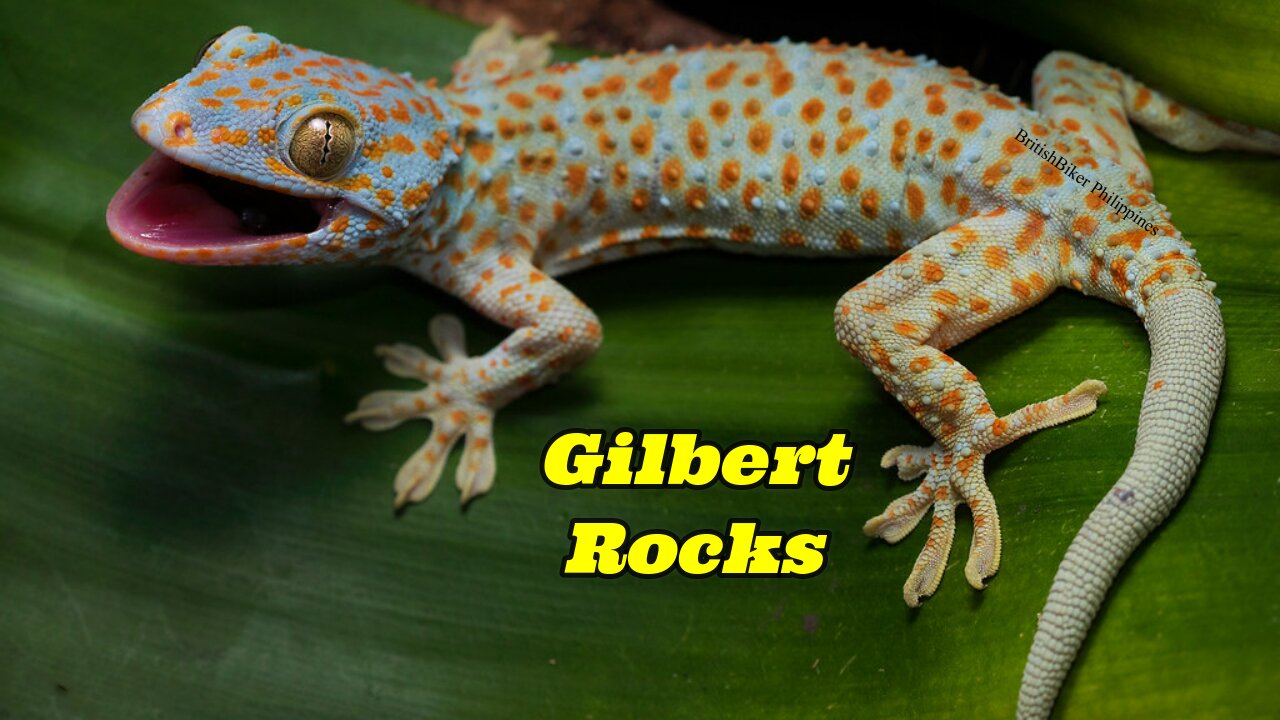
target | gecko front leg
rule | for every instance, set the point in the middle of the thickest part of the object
(553, 331)
(899, 322)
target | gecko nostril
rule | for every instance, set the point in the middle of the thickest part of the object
(181, 130)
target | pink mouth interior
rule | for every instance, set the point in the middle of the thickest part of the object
(167, 205)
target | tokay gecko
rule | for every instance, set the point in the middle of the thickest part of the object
(518, 172)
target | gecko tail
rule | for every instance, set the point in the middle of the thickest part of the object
(1187, 355)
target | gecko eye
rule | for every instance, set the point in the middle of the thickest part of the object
(205, 48)
(322, 145)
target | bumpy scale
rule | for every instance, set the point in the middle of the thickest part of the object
(516, 173)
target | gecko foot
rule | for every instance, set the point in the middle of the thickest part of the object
(450, 400)
(949, 480)
(954, 476)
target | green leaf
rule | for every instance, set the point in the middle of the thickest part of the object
(1220, 57)
(189, 531)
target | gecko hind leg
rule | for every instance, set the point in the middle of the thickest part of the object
(1096, 104)
(898, 323)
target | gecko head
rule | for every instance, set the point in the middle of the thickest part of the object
(271, 153)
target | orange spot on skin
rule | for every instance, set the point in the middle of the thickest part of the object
(614, 84)
(1020, 289)
(549, 91)
(946, 297)
(915, 201)
(749, 194)
(1132, 238)
(967, 120)
(879, 93)
(950, 149)
(720, 111)
(759, 137)
(233, 137)
(931, 272)
(204, 77)
(720, 78)
(696, 198)
(996, 257)
(1141, 99)
(1032, 231)
(741, 233)
(817, 143)
(698, 139)
(924, 139)
(905, 328)
(848, 138)
(791, 238)
(658, 85)
(948, 189)
(811, 203)
(812, 110)
(998, 101)
(271, 53)
(790, 173)
(519, 100)
(850, 179)
(870, 204)
(780, 79)
(672, 173)
(1084, 225)
(951, 401)
(576, 179)
(642, 138)
(848, 240)
(730, 172)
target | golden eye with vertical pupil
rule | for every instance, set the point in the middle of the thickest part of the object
(322, 145)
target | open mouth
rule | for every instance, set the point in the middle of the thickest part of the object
(168, 206)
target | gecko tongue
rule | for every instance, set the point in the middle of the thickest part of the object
(182, 214)
(165, 205)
